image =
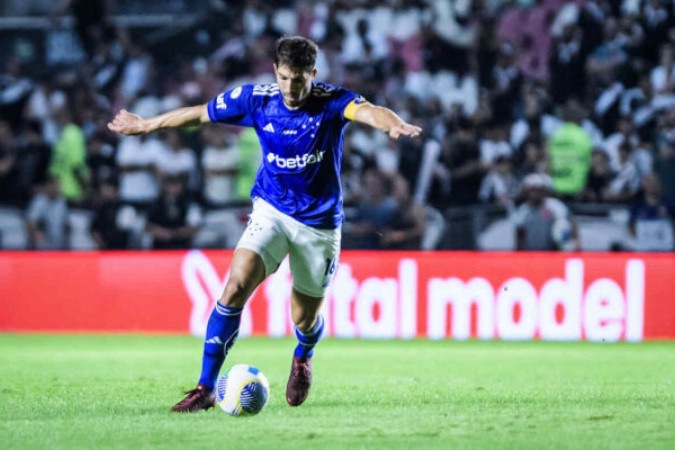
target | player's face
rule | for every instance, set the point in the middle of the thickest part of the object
(295, 85)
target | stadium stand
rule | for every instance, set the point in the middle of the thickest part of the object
(583, 91)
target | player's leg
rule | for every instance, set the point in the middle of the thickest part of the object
(259, 252)
(308, 322)
(247, 271)
(313, 261)
(309, 326)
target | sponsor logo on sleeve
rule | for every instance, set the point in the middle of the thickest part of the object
(220, 102)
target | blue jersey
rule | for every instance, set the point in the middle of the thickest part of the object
(302, 148)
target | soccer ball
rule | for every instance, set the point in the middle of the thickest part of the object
(242, 390)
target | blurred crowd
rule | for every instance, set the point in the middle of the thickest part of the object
(527, 106)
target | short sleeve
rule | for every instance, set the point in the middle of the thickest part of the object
(232, 107)
(345, 102)
(350, 110)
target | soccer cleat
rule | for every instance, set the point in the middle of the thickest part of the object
(195, 400)
(299, 381)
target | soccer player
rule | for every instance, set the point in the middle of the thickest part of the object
(297, 199)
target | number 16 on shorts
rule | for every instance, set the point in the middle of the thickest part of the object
(331, 266)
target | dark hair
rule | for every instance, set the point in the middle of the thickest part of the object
(296, 52)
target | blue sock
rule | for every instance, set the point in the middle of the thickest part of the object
(307, 341)
(221, 332)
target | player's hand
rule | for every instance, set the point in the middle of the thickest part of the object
(127, 123)
(404, 129)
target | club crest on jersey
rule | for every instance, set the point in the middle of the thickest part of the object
(236, 93)
(220, 102)
(296, 162)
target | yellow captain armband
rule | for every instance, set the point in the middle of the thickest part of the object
(351, 108)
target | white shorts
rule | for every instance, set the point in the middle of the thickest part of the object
(314, 253)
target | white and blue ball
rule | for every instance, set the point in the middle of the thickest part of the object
(243, 390)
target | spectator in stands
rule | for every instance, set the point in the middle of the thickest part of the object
(461, 157)
(106, 66)
(106, 230)
(599, 178)
(542, 221)
(627, 181)
(569, 150)
(662, 77)
(405, 32)
(500, 185)
(90, 20)
(506, 83)
(665, 170)
(15, 89)
(494, 143)
(172, 221)
(24, 164)
(625, 133)
(534, 125)
(47, 218)
(360, 37)
(34, 155)
(101, 160)
(405, 229)
(450, 35)
(177, 159)
(373, 212)
(353, 166)
(428, 57)
(220, 166)
(69, 160)
(486, 50)
(531, 159)
(606, 60)
(651, 218)
(657, 20)
(7, 163)
(566, 64)
(367, 142)
(137, 159)
(410, 156)
(136, 73)
(365, 56)
(631, 33)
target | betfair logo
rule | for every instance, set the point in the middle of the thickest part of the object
(297, 162)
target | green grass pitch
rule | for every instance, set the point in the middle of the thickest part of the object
(114, 392)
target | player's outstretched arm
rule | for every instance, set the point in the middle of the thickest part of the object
(129, 124)
(386, 120)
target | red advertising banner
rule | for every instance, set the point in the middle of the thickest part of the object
(436, 295)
